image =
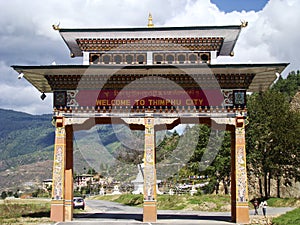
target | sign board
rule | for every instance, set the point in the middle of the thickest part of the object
(148, 98)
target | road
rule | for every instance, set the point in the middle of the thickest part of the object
(104, 212)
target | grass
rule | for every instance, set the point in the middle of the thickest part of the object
(126, 199)
(21, 211)
(131, 200)
(283, 202)
(173, 202)
(292, 217)
(111, 198)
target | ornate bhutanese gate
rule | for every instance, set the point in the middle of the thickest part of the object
(151, 79)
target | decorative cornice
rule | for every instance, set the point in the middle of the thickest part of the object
(162, 112)
(151, 44)
(225, 81)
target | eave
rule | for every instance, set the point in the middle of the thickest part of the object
(264, 74)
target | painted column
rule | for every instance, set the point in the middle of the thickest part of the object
(239, 185)
(150, 208)
(58, 179)
(68, 206)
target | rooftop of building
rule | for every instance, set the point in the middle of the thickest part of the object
(189, 37)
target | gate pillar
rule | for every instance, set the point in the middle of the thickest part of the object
(150, 200)
(62, 178)
(69, 174)
(239, 187)
(150, 192)
(58, 178)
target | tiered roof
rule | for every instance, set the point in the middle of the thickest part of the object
(205, 38)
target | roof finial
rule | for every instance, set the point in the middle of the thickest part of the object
(150, 23)
(56, 27)
(244, 23)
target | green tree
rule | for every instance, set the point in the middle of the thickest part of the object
(288, 86)
(3, 195)
(16, 194)
(271, 142)
(10, 193)
(206, 161)
(92, 171)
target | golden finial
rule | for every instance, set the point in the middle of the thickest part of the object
(244, 23)
(55, 27)
(232, 53)
(150, 22)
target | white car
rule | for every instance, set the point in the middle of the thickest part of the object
(78, 203)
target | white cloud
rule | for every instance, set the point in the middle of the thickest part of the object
(25, 99)
(272, 35)
(27, 37)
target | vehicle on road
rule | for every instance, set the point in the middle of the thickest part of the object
(78, 203)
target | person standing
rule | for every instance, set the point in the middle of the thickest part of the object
(255, 204)
(264, 205)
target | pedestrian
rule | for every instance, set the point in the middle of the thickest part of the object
(255, 204)
(264, 205)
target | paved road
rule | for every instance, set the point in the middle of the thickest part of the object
(104, 212)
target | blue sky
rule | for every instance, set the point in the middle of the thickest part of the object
(239, 5)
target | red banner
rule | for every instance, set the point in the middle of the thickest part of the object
(145, 98)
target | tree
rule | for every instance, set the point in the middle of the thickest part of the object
(16, 194)
(92, 171)
(3, 195)
(288, 86)
(206, 161)
(271, 138)
(10, 193)
(219, 170)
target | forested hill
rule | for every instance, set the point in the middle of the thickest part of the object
(24, 138)
(26, 147)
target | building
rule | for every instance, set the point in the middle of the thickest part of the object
(83, 180)
(46, 184)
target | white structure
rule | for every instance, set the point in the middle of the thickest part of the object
(139, 182)
(102, 191)
(193, 191)
(116, 190)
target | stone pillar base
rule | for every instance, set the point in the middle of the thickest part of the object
(242, 214)
(68, 210)
(150, 212)
(57, 211)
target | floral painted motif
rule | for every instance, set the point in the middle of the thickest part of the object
(58, 165)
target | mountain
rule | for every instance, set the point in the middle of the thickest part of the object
(24, 141)
(24, 138)
(27, 143)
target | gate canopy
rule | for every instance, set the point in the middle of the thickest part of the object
(253, 77)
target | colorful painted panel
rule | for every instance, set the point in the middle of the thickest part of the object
(59, 164)
(241, 173)
(149, 161)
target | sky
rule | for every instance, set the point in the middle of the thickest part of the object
(27, 37)
(240, 5)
